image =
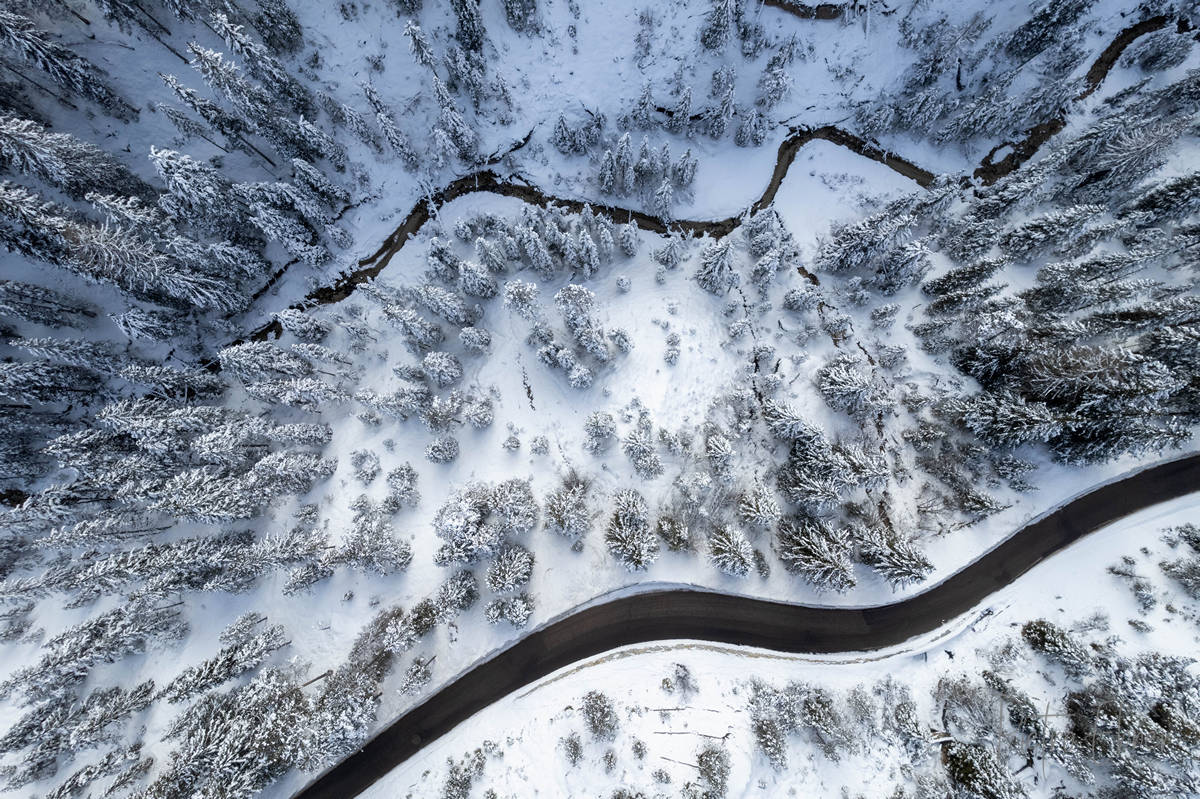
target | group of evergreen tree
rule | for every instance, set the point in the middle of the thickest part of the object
(1095, 358)
(111, 447)
(1129, 720)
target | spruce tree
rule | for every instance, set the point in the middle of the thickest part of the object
(720, 24)
(716, 273)
(418, 43)
(628, 535)
(19, 36)
(265, 68)
(453, 125)
(730, 551)
(197, 193)
(521, 14)
(64, 161)
(812, 550)
(42, 305)
(470, 32)
(679, 118)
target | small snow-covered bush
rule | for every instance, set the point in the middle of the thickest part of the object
(475, 339)
(621, 339)
(442, 368)
(572, 747)
(515, 610)
(511, 569)
(479, 412)
(442, 449)
(600, 427)
(600, 716)
(402, 488)
(365, 464)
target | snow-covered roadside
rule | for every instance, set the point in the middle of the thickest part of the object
(580, 62)
(527, 724)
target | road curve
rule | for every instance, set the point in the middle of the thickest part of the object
(697, 615)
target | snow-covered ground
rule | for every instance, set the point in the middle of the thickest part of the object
(525, 728)
(583, 61)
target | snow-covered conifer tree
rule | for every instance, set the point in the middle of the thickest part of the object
(197, 193)
(628, 535)
(521, 298)
(563, 138)
(679, 119)
(752, 132)
(684, 171)
(452, 123)
(641, 116)
(263, 66)
(442, 368)
(278, 25)
(775, 81)
(716, 273)
(73, 165)
(720, 24)
(41, 305)
(243, 652)
(521, 14)
(600, 429)
(45, 382)
(418, 43)
(664, 198)
(847, 384)
(20, 37)
(442, 449)
(292, 235)
(628, 239)
(730, 551)
(812, 550)
(474, 280)
(395, 137)
(371, 543)
(607, 177)
(758, 507)
(515, 610)
(470, 32)
(901, 562)
(567, 508)
(510, 570)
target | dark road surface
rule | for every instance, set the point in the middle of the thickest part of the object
(685, 614)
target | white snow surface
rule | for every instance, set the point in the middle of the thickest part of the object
(826, 184)
(528, 724)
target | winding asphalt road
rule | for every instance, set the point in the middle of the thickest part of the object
(696, 615)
